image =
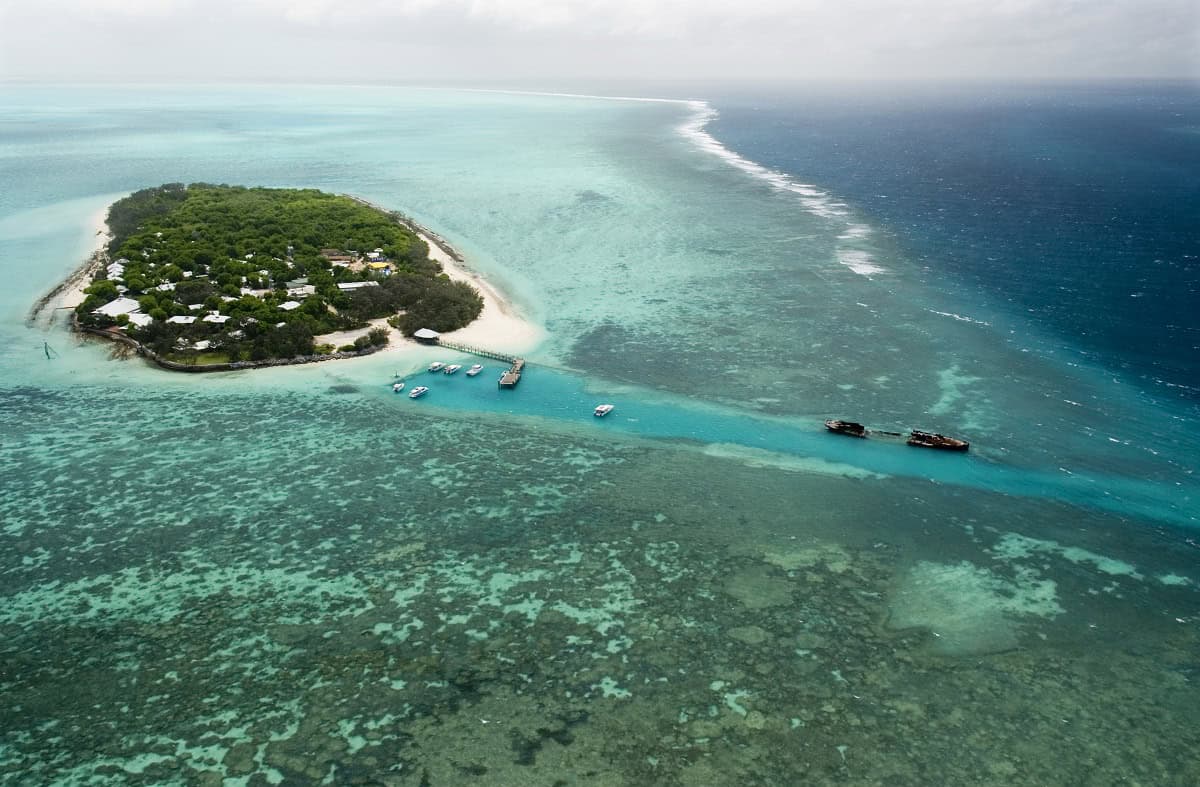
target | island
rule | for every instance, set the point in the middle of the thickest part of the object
(216, 276)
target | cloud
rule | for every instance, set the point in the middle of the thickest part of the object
(664, 39)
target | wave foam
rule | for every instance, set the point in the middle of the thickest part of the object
(814, 200)
(858, 261)
(959, 317)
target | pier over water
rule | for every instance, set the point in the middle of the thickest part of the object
(508, 379)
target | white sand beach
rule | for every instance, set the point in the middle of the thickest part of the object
(72, 295)
(69, 292)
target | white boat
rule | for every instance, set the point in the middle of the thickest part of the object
(474, 370)
(452, 368)
(417, 392)
(603, 410)
(436, 366)
(398, 387)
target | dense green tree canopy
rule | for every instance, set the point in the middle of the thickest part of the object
(264, 265)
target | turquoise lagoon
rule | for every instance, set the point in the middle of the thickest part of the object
(294, 575)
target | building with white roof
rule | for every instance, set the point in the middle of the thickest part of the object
(427, 336)
(217, 318)
(140, 320)
(182, 319)
(356, 285)
(119, 306)
(289, 305)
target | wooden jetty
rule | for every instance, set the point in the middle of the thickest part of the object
(516, 365)
(466, 348)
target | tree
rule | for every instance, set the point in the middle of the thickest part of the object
(103, 289)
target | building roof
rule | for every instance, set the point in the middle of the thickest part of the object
(356, 285)
(216, 317)
(119, 306)
(181, 319)
(140, 320)
(426, 333)
(289, 305)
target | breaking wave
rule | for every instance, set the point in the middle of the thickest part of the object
(814, 200)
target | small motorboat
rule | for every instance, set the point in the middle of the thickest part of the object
(452, 368)
(418, 392)
(474, 370)
(398, 387)
(436, 366)
(603, 410)
(846, 427)
(933, 440)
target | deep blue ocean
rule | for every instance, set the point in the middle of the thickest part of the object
(1072, 207)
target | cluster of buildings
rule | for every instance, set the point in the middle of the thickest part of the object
(297, 289)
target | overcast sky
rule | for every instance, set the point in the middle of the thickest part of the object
(554, 41)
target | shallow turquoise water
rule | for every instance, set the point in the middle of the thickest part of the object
(294, 575)
(565, 397)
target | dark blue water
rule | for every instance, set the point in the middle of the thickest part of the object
(1074, 207)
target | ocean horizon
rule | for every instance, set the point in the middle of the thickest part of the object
(293, 575)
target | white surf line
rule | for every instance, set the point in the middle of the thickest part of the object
(814, 200)
(959, 317)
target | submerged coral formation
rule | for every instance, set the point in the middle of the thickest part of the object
(514, 607)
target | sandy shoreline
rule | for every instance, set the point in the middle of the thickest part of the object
(70, 292)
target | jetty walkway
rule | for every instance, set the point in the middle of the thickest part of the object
(507, 380)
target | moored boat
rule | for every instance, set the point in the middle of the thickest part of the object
(850, 428)
(452, 368)
(436, 366)
(474, 370)
(603, 410)
(933, 440)
(398, 387)
(418, 392)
